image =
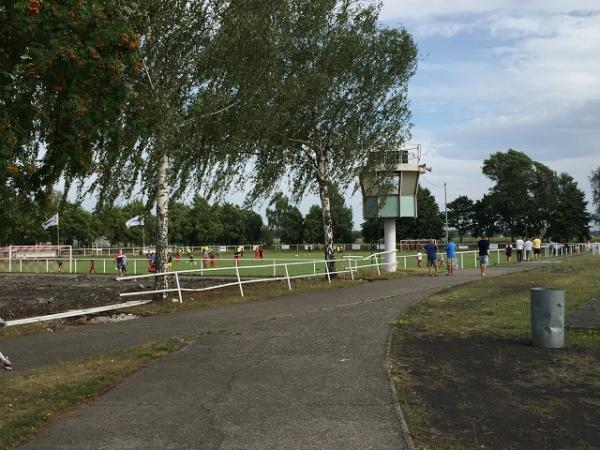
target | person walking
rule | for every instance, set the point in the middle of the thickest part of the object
(484, 258)
(431, 249)
(92, 266)
(508, 252)
(119, 259)
(537, 248)
(519, 247)
(450, 256)
(528, 247)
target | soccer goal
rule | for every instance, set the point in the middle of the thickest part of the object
(36, 258)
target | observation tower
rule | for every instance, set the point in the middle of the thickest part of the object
(390, 192)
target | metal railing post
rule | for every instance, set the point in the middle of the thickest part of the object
(404, 262)
(47, 266)
(178, 287)
(462, 261)
(287, 275)
(135, 266)
(274, 269)
(351, 271)
(377, 264)
(237, 272)
(314, 267)
(475, 259)
(103, 266)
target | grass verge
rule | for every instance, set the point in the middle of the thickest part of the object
(34, 398)
(467, 376)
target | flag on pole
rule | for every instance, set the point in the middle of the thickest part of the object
(51, 222)
(135, 221)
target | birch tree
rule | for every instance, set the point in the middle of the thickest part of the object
(201, 69)
(342, 98)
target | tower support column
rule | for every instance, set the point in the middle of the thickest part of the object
(389, 242)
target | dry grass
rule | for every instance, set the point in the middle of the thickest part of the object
(31, 399)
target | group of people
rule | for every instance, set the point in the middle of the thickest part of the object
(435, 260)
(528, 250)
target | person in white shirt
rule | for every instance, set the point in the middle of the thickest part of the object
(528, 247)
(519, 247)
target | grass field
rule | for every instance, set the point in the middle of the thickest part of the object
(457, 350)
(299, 263)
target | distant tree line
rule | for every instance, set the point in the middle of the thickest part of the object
(195, 223)
(527, 198)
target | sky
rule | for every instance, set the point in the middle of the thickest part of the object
(499, 74)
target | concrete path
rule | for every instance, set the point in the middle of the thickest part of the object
(300, 372)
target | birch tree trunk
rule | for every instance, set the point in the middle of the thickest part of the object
(162, 224)
(326, 210)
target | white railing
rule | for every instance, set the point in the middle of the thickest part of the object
(353, 265)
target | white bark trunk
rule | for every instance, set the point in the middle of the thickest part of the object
(326, 211)
(162, 223)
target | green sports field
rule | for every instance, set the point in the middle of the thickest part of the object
(273, 264)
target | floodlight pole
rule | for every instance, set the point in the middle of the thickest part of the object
(446, 210)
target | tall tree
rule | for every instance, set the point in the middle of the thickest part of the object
(285, 220)
(203, 65)
(595, 183)
(523, 195)
(570, 219)
(461, 214)
(342, 225)
(64, 80)
(205, 222)
(343, 98)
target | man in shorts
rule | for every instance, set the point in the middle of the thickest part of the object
(484, 258)
(519, 243)
(431, 250)
(537, 248)
(450, 256)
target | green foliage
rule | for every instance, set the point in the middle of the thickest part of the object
(461, 214)
(595, 183)
(285, 220)
(64, 68)
(529, 198)
(570, 219)
(340, 213)
(339, 97)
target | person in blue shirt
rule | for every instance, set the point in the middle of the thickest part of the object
(450, 256)
(431, 250)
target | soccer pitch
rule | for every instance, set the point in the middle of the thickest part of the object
(274, 263)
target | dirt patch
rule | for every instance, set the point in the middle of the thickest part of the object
(28, 295)
(481, 392)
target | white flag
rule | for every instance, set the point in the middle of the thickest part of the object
(135, 221)
(51, 222)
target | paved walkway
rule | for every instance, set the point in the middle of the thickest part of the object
(300, 372)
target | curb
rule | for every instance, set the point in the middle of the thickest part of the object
(394, 393)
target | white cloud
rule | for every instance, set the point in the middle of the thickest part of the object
(419, 9)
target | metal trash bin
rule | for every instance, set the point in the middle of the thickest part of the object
(548, 317)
